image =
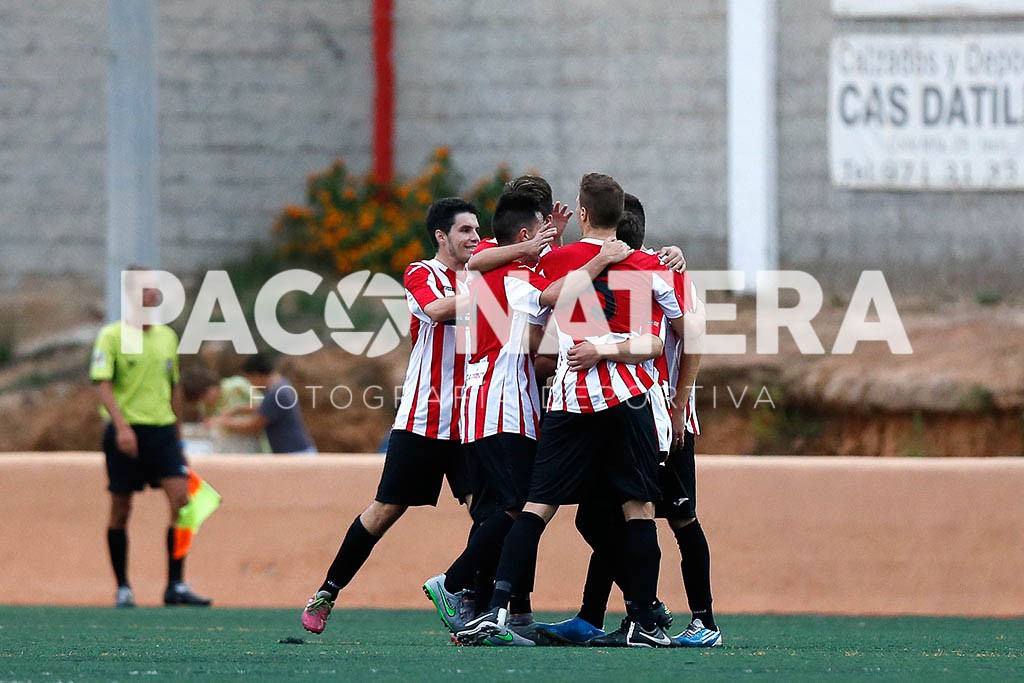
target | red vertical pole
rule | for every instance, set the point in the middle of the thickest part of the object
(384, 91)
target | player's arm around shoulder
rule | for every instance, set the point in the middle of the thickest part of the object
(645, 347)
(426, 296)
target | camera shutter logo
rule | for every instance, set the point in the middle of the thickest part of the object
(376, 342)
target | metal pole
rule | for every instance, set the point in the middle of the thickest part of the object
(133, 161)
(753, 155)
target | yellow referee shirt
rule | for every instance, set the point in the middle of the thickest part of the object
(142, 382)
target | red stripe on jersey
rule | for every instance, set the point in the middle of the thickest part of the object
(607, 391)
(628, 378)
(582, 392)
(434, 394)
(459, 378)
(645, 379)
(414, 334)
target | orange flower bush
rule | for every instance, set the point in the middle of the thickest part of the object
(352, 223)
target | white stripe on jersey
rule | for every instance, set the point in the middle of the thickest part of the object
(660, 402)
(608, 383)
(501, 393)
(435, 371)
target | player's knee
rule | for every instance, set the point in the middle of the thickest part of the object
(545, 512)
(680, 523)
(635, 509)
(379, 517)
(120, 511)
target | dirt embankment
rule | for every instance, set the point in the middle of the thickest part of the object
(961, 392)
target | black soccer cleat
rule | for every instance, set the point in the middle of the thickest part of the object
(180, 594)
(632, 634)
(663, 615)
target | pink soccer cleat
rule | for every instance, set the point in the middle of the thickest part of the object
(317, 612)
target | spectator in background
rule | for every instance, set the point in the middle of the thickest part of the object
(278, 414)
(228, 396)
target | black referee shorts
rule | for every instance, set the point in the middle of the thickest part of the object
(678, 478)
(499, 469)
(615, 449)
(159, 458)
(415, 467)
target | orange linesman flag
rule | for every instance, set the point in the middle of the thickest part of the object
(202, 501)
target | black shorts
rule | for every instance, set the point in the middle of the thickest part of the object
(678, 477)
(616, 448)
(415, 466)
(499, 469)
(160, 457)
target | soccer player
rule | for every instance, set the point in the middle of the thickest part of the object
(140, 398)
(556, 218)
(677, 427)
(500, 404)
(424, 447)
(598, 424)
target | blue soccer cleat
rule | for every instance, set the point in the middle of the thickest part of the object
(575, 631)
(696, 635)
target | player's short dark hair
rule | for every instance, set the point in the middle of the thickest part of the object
(260, 364)
(630, 230)
(515, 211)
(441, 214)
(632, 204)
(537, 187)
(602, 197)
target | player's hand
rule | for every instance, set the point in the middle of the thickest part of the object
(560, 216)
(672, 258)
(127, 442)
(678, 430)
(533, 248)
(583, 356)
(615, 250)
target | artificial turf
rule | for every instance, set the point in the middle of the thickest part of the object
(77, 644)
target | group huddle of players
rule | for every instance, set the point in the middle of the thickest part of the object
(616, 328)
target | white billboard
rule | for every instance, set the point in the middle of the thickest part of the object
(927, 8)
(925, 112)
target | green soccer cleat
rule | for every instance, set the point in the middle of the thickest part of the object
(454, 609)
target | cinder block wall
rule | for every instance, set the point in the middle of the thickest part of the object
(255, 94)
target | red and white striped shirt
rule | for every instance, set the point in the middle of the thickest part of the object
(666, 370)
(608, 383)
(434, 378)
(501, 393)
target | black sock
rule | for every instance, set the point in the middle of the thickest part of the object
(175, 568)
(601, 530)
(642, 553)
(695, 563)
(518, 557)
(596, 590)
(117, 543)
(351, 556)
(485, 542)
(520, 604)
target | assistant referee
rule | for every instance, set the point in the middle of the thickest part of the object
(139, 394)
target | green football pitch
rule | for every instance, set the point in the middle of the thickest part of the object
(76, 644)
